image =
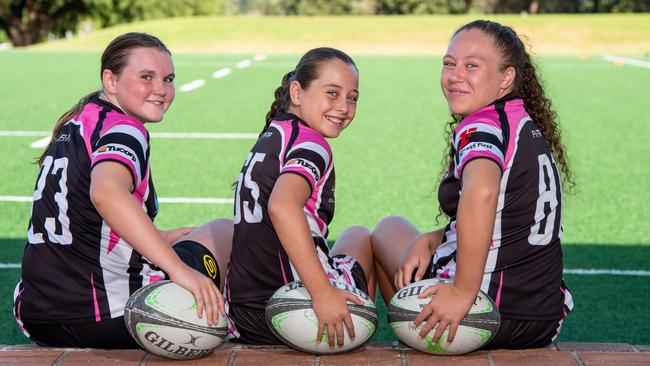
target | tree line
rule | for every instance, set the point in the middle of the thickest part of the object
(26, 22)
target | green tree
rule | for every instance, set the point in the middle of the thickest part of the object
(29, 21)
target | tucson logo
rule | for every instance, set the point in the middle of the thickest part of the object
(306, 164)
(210, 266)
(111, 148)
(164, 344)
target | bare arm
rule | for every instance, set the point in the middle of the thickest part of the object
(475, 226)
(110, 186)
(286, 203)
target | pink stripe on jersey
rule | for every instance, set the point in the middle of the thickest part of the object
(155, 278)
(98, 317)
(112, 242)
(497, 301)
(284, 275)
(479, 154)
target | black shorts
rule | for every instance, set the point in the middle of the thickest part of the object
(520, 334)
(112, 333)
(250, 322)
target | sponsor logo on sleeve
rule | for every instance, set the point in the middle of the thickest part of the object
(308, 165)
(116, 149)
(465, 136)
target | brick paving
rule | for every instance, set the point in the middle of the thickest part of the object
(374, 354)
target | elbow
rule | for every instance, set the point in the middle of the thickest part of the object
(274, 208)
(100, 195)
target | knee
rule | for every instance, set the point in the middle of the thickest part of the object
(389, 223)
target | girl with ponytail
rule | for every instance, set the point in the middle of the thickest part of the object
(284, 202)
(91, 238)
(502, 191)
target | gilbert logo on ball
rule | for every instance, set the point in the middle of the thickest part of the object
(291, 317)
(476, 329)
(162, 318)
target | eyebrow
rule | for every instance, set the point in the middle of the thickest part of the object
(338, 86)
(153, 72)
(466, 57)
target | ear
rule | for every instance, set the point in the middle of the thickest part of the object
(295, 92)
(508, 78)
(109, 82)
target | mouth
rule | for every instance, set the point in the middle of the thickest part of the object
(335, 120)
(156, 102)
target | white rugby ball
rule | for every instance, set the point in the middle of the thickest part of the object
(162, 318)
(476, 329)
(291, 317)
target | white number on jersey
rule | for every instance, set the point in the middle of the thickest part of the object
(547, 198)
(256, 215)
(65, 237)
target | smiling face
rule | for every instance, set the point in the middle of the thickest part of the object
(145, 87)
(329, 103)
(472, 75)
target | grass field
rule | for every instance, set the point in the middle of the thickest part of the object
(386, 162)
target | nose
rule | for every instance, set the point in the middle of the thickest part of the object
(342, 105)
(456, 74)
(159, 87)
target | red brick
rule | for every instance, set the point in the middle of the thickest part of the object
(281, 356)
(591, 358)
(218, 357)
(98, 357)
(375, 356)
(40, 356)
(533, 357)
(416, 358)
(590, 346)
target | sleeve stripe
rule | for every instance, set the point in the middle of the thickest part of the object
(112, 153)
(132, 131)
(313, 147)
(478, 127)
(127, 141)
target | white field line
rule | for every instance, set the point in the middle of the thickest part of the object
(41, 143)
(192, 85)
(5, 46)
(221, 73)
(190, 200)
(243, 64)
(259, 57)
(627, 61)
(204, 135)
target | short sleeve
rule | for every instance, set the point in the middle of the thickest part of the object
(478, 140)
(309, 159)
(125, 144)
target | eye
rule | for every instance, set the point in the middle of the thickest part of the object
(333, 93)
(353, 98)
(472, 65)
(169, 79)
(448, 63)
(146, 77)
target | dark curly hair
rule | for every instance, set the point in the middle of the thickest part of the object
(528, 85)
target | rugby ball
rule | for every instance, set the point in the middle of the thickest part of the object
(291, 317)
(476, 329)
(162, 318)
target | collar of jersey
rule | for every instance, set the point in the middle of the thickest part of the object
(104, 103)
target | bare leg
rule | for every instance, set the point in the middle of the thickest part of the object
(390, 239)
(217, 237)
(355, 242)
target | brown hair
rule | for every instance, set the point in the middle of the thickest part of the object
(305, 72)
(115, 58)
(526, 83)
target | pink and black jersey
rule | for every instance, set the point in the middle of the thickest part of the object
(523, 272)
(258, 263)
(75, 268)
